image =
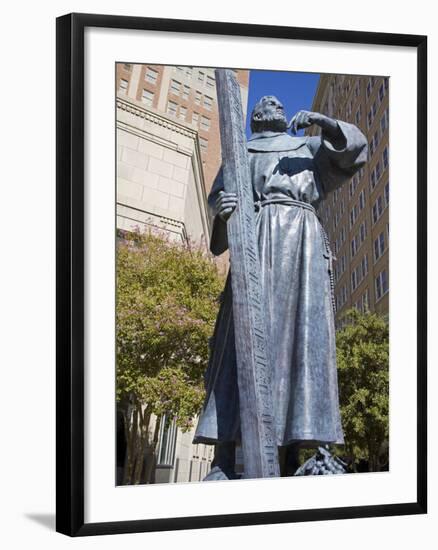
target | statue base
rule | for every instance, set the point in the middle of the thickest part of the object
(322, 463)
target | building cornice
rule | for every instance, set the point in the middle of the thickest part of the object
(154, 117)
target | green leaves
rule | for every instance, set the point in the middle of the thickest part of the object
(166, 308)
(363, 376)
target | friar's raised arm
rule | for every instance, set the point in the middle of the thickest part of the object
(338, 157)
(219, 238)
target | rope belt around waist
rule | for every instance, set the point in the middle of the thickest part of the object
(287, 201)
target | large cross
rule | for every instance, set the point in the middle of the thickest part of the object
(259, 445)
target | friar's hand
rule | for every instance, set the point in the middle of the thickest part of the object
(226, 203)
(304, 119)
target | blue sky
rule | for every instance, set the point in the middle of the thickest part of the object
(294, 90)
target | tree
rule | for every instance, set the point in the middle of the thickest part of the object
(167, 301)
(363, 375)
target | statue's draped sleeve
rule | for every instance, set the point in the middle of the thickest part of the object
(337, 160)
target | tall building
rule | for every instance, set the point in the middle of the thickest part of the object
(356, 216)
(186, 94)
(168, 154)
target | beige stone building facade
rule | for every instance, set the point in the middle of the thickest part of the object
(356, 216)
(160, 180)
(168, 154)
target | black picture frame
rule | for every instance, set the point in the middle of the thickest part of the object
(70, 273)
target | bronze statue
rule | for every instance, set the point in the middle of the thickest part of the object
(289, 175)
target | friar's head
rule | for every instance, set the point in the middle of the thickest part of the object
(268, 115)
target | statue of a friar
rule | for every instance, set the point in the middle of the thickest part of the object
(290, 176)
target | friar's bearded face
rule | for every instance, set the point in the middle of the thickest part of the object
(268, 115)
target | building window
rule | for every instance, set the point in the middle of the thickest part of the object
(379, 246)
(375, 175)
(374, 142)
(381, 283)
(354, 246)
(358, 114)
(377, 209)
(340, 267)
(182, 112)
(201, 77)
(364, 266)
(361, 200)
(208, 102)
(210, 82)
(204, 144)
(385, 158)
(353, 184)
(342, 235)
(362, 232)
(205, 123)
(353, 215)
(386, 193)
(189, 71)
(186, 92)
(175, 87)
(381, 92)
(342, 296)
(353, 280)
(123, 85)
(384, 121)
(357, 89)
(359, 273)
(368, 89)
(171, 108)
(358, 239)
(166, 442)
(127, 66)
(151, 75)
(343, 263)
(195, 119)
(378, 170)
(363, 302)
(198, 97)
(147, 97)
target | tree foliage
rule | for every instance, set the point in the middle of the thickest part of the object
(363, 375)
(167, 302)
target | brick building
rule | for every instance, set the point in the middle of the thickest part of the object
(356, 216)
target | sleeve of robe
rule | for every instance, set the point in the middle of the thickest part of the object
(219, 238)
(338, 160)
